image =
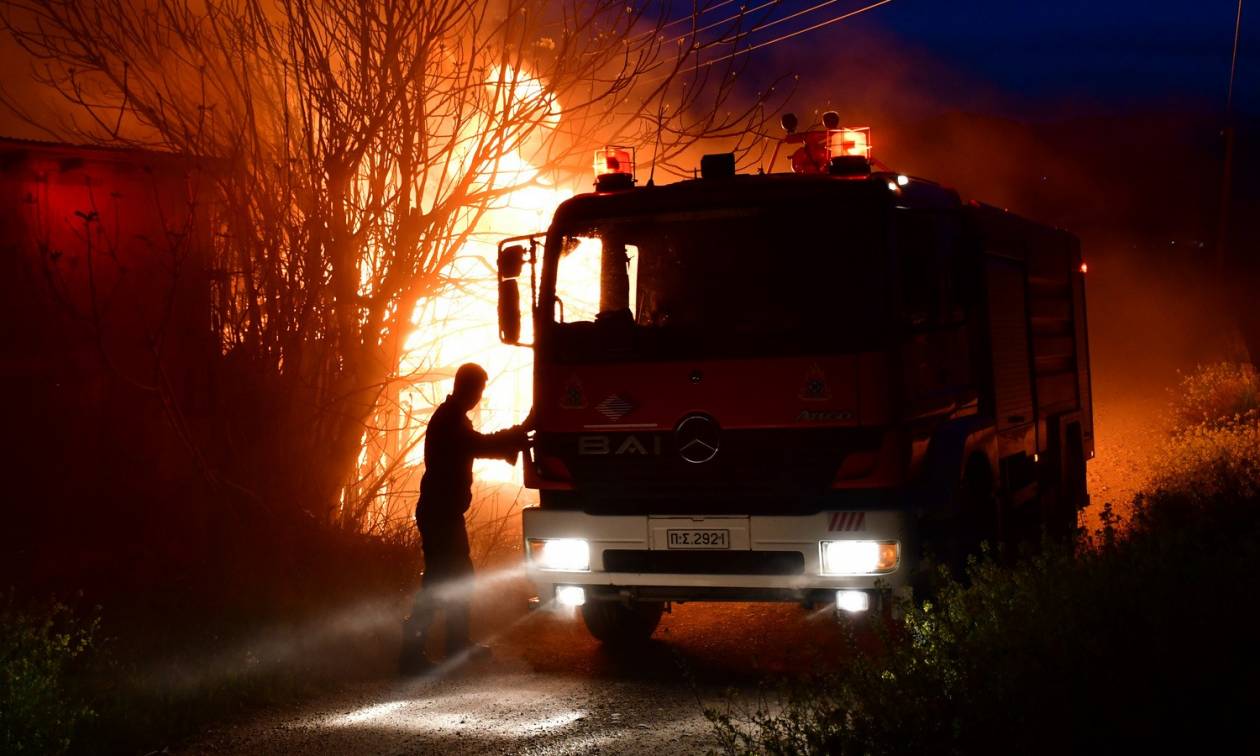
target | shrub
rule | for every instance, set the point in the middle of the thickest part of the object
(1140, 640)
(1208, 463)
(1215, 394)
(39, 712)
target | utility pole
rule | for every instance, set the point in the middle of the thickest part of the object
(1222, 229)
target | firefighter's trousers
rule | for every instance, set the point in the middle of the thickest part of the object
(447, 582)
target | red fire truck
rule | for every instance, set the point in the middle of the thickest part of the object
(791, 387)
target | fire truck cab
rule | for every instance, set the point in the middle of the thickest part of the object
(791, 387)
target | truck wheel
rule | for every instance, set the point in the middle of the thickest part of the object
(948, 542)
(616, 624)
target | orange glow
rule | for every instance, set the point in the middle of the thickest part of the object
(525, 94)
(461, 324)
(1084, 267)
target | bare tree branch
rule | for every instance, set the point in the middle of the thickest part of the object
(355, 146)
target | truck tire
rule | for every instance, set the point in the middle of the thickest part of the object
(616, 624)
(980, 507)
(976, 519)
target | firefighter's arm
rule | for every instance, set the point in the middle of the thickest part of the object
(504, 444)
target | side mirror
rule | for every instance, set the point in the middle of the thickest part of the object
(511, 263)
(509, 312)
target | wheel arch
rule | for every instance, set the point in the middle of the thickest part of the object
(960, 448)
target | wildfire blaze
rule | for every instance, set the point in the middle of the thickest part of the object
(460, 325)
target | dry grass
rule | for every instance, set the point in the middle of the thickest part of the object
(1215, 395)
(1211, 460)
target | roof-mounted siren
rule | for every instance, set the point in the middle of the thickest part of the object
(614, 168)
(835, 149)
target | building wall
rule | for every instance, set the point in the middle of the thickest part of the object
(106, 349)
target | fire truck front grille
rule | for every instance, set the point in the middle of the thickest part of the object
(754, 470)
(705, 562)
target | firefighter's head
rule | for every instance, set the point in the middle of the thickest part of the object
(470, 383)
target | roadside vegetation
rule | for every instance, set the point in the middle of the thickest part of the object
(137, 675)
(1134, 639)
(40, 646)
(278, 612)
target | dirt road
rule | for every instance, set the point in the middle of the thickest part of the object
(1129, 428)
(551, 689)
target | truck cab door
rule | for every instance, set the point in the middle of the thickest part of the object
(934, 350)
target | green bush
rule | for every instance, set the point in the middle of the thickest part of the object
(1134, 640)
(39, 712)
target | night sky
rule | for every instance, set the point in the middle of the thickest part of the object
(1109, 55)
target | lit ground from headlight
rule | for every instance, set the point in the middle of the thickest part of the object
(551, 689)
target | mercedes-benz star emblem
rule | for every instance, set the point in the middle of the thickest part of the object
(697, 437)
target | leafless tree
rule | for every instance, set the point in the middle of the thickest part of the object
(353, 146)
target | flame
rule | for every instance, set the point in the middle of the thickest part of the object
(461, 325)
(525, 95)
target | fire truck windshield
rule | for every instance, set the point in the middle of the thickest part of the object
(719, 283)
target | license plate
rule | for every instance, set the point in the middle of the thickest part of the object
(698, 539)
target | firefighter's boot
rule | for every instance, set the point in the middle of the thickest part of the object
(412, 659)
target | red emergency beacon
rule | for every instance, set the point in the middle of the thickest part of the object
(820, 148)
(614, 168)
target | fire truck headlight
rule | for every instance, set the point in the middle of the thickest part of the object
(560, 554)
(859, 557)
(570, 595)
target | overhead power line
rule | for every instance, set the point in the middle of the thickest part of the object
(1222, 225)
(797, 33)
(1233, 59)
(689, 17)
(743, 12)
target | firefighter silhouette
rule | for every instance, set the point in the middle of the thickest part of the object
(450, 446)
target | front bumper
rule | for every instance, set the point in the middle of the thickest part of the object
(786, 547)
